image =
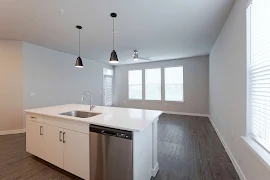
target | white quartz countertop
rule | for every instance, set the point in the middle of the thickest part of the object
(113, 117)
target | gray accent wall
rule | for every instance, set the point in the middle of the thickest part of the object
(227, 87)
(196, 78)
(53, 78)
(32, 76)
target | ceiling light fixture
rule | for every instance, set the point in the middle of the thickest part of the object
(79, 63)
(114, 58)
(135, 55)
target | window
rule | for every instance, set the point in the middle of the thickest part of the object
(152, 90)
(108, 87)
(259, 73)
(135, 84)
(153, 84)
(174, 84)
(108, 72)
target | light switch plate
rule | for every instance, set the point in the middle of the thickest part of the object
(32, 94)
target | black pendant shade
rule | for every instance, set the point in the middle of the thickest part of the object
(79, 63)
(114, 58)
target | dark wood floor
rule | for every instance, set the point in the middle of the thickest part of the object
(188, 149)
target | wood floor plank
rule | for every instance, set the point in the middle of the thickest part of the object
(188, 149)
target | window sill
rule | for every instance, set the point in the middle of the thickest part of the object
(135, 99)
(145, 100)
(258, 150)
(157, 101)
(181, 102)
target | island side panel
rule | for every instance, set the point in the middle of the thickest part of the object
(142, 154)
(155, 165)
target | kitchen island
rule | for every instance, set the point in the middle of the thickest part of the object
(61, 136)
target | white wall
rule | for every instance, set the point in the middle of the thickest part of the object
(51, 75)
(227, 87)
(11, 99)
(196, 78)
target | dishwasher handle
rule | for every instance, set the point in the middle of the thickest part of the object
(107, 133)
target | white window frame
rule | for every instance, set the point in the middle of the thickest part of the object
(103, 88)
(144, 86)
(252, 143)
(171, 101)
(132, 99)
(162, 69)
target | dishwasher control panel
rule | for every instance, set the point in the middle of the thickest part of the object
(123, 135)
(111, 132)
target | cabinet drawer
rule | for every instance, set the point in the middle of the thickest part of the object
(34, 117)
(67, 124)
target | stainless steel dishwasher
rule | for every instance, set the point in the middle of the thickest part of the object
(110, 154)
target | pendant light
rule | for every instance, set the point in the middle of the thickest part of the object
(114, 58)
(79, 63)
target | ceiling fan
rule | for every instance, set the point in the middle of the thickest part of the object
(136, 57)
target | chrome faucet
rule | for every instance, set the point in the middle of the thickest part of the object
(91, 105)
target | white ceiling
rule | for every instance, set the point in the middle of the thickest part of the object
(156, 28)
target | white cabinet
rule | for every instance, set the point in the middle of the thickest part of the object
(67, 149)
(34, 138)
(76, 153)
(52, 141)
(53, 145)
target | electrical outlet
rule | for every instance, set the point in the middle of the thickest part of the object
(32, 94)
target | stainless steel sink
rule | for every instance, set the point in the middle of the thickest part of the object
(80, 114)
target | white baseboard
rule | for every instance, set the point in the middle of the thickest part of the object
(186, 114)
(18, 131)
(234, 162)
(155, 170)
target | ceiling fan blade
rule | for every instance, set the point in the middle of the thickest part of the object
(145, 58)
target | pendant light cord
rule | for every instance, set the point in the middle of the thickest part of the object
(79, 42)
(113, 33)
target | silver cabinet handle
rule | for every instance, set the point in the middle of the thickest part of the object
(41, 130)
(64, 137)
(60, 134)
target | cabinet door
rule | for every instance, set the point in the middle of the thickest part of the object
(76, 153)
(34, 138)
(53, 145)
